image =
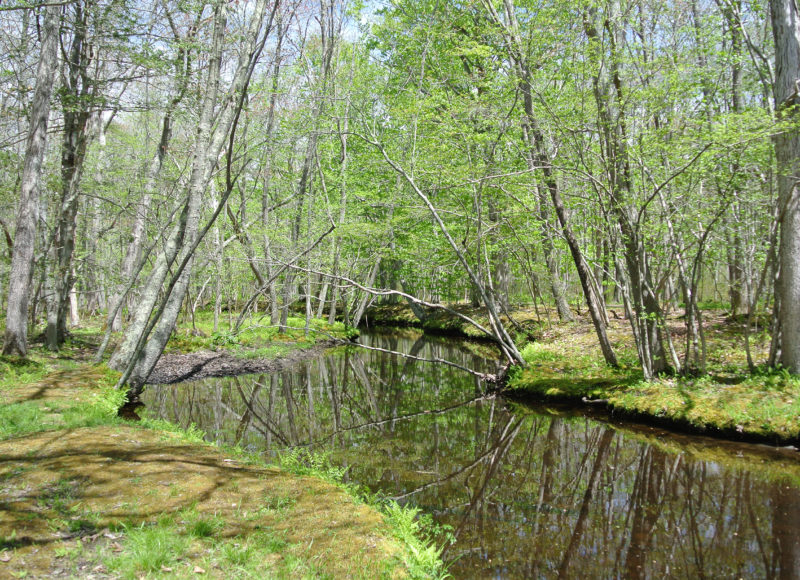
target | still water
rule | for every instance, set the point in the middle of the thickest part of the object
(530, 492)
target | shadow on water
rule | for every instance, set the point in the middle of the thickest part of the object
(529, 492)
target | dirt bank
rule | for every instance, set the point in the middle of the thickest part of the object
(176, 368)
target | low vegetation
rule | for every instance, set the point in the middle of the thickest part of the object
(565, 363)
(88, 493)
(256, 339)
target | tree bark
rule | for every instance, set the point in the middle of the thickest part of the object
(786, 33)
(146, 339)
(16, 333)
(79, 88)
(538, 156)
(608, 93)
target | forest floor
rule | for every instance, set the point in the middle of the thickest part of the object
(85, 493)
(565, 364)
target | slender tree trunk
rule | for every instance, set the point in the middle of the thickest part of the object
(267, 178)
(19, 288)
(73, 154)
(133, 253)
(344, 127)
(537, 152)
(608, 92)
(146, 339)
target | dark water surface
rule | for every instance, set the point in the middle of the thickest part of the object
(530, 492)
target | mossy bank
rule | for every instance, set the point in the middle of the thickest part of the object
(88, 494)
(564, 363)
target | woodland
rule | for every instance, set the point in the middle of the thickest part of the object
(262, 159)
(605, 192)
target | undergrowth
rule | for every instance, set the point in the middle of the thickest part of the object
(258, 339)
(423, 540)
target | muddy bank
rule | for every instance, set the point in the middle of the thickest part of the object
(177, 368)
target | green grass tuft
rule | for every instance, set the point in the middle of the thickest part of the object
(148, 549)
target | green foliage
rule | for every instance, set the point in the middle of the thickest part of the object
(303, 462)
(417, 531)
(728, 399)
(96, 406)
(15, 371)
(224, 339)
(148, 549)
(191, 434)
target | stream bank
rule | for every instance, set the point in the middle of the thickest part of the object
(565, 366)
(525, 490)
(88, 494)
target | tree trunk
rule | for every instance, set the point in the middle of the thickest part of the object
(536, 151)
(19, 288)
(79, 88)
(786, 32)
(608, 93)
(146, 339)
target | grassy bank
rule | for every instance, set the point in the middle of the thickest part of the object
(255, 339)
(87, 493)
(565, 364)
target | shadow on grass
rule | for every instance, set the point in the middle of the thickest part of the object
(69, 483)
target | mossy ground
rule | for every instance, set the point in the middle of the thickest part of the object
(86, 500)
(255, 339)
(565, 363)
(87, 494)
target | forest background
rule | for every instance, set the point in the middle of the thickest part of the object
(255, 158)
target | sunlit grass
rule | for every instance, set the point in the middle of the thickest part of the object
(39, 395)
(566, 364)
(257, 338)
(147, 549)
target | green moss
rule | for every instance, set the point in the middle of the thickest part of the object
(754, 406)
(240, 542)
(566, 365)
(258, 339)
(555, 371)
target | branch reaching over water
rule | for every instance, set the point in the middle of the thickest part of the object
(487, 377)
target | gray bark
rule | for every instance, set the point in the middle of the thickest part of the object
(647, 324)
(79, 87)
(538, 156)
(265, 199)
(786, 32)
(146, 338)
(16, 333)
(131, 263)
(304, 186)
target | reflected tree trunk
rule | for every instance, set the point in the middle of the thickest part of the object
(594, 479)
(786, 531)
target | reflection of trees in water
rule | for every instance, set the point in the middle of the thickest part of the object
(527, 495)
(785, 562)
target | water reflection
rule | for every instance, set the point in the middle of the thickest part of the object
(529, 493)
